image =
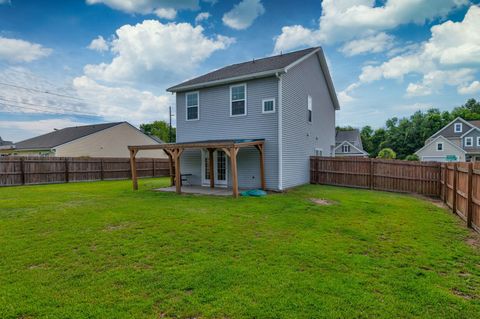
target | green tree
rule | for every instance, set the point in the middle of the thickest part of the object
(412, 157)
(159, 129)
(387, 153)
(469, 111)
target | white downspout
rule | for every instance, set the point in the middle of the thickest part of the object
(280, 133)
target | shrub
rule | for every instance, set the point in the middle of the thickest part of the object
(387, 153)
(412, 157)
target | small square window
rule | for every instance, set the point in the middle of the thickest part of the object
(439, 146)
(268, 106)
(458, 128)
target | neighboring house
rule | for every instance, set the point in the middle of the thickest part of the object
(286, 100)
(98, 140)
(5, 145)
(458, 141)
(349, 143)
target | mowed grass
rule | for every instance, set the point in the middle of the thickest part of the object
(100, 250)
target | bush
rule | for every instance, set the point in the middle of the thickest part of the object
(387, 153)
(412, 157)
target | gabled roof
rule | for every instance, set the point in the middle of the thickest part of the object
(5, 143)
(468, 123)
(59, 137)
(445, 140)
(351, 145)
(350, 135)
(257, 69)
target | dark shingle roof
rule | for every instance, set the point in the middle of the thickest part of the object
(352, 136)
(59, 137)
(475, 123)
(246, 68)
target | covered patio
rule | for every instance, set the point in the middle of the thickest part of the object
(175, 150)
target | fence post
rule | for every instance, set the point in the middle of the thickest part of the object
(22, 170)
(67, 177)
(153, 167)
(455, 178)
(102, 177)
(469, 195)
(445, 180)
(372, 176)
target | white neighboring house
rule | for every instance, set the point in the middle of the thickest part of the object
(349, 143)
(458, 141)
(98, 140)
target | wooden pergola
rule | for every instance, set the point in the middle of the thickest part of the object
(175, 150)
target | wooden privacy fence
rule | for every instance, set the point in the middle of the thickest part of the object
(46, 170)
(388, 175)
(460, 190)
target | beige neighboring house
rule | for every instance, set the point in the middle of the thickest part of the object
(98, 140)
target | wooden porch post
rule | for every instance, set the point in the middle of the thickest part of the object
(262, 168)
(233, 164)
(210, 167)
(133, 168)
(170, 166)
(178, 179)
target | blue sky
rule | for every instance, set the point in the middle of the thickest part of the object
(66, 63)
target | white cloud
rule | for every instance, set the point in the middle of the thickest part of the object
(370, 44)
(122, 103)
(412, 107)
(202, 16)
(344, 96)
(99, 44)
(5, 2)
(162, 8)
(343, 20)
(243, 14)
(151, 52)
(471, 88)
(16, 50)
(166, 13)
(450, 57)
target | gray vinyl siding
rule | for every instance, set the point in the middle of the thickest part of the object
(449, 131)
(300, 138)
(475, 148)
(215, 123)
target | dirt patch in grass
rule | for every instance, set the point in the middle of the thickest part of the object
(474, 240)
(321, 201)
(461, 294)
(114, 227)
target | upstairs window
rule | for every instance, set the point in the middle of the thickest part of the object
(468, 141)
(458, 128)
(268, 106)
(440, 146)
(478, 140)
(309, 109)
(192, 106)
(318, 152)
(238, 100)
(345, 148)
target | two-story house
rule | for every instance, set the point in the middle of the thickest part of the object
(349, 143)
(286, 103)
(458, 141)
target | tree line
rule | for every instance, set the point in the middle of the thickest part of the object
(406, 135)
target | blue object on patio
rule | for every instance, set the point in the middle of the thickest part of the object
(254, 193)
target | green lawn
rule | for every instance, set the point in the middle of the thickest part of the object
(100, 250)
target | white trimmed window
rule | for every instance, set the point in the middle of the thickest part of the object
(345, 148)
(469, 141)
(268, 106)
(440, 146)
(318, 152)
(238, 100)
(458, 128)
(478, 140)
(309, 109)
(192, 103)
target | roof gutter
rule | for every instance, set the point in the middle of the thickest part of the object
(246, 77)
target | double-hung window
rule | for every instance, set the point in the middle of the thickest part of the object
(192, 106)
(478, 140)
(238, 100)
(469, 141)
(458, 128)
(345, 148)
(309, 109)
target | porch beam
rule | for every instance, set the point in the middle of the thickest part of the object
(210, 167)
(133, 169)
